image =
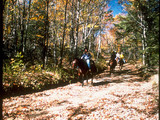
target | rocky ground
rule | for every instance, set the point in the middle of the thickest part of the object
(122, 95)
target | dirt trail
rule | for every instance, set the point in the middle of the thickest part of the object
(123, 95)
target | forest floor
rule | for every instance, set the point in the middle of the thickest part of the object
(121, 95)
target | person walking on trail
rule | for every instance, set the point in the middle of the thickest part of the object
(122, 57)
(87, 56)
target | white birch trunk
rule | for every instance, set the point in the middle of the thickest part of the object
(143, 40)
(77, 28)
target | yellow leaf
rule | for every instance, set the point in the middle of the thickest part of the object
(40, 36)
(51, 44)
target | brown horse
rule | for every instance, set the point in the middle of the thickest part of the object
(112, 64)
(121, 62)
(83, 70)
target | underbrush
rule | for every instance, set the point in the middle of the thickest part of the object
(101, 65)
(144, 71)
(34, 79)
(17, 77)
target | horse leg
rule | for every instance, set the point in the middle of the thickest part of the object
(82, 80)
(121, 66)
(111, 69)
(92, 79)
(86, 77)
(82, 83)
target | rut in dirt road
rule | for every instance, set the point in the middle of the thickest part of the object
(123, 95)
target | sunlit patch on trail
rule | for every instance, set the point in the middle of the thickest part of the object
(122, 96)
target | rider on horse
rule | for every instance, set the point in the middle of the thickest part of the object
(113, 58)
(122, 57)
(87, 56)
(117, 57)
(113, 55)
(112, 61)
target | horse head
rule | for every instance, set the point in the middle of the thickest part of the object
(75, 63)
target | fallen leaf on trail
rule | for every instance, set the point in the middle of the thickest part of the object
(116, 100)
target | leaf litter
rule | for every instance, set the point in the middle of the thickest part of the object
(119, 96)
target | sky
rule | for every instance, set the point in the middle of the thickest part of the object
(115, 7)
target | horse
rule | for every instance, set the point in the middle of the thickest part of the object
(121, 62)
(83, 69)
(112, 64)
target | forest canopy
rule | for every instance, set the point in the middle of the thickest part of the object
(47, 34)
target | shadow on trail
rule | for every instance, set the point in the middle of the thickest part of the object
(107, 82)
(150, 111)
(124, 75)
(115, 73)
(20, 90)
(17, 91)
(101, 83)
(81, 110)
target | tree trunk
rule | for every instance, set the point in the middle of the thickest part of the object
(14, 28)
(99, 42)
(54, 35)
(2, 3)
(45, 48)
(26, 34)
(143, 41)
(64, 33)
(72, 39)
(77, 27)
(99, 46)
(21, 23)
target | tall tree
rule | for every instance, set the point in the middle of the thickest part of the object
(2, 3)
(143, 14)
(45, 43)
(64, 32)
(27, 24)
